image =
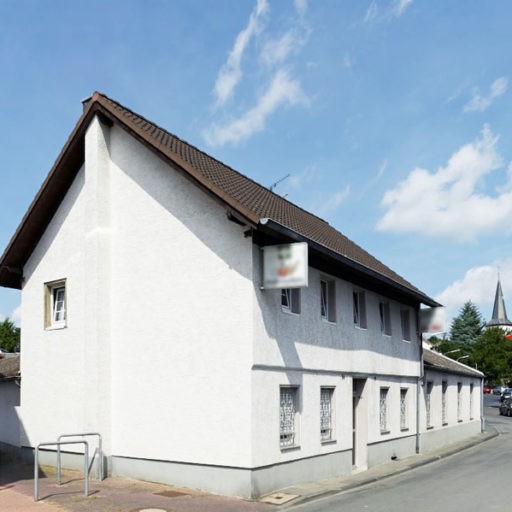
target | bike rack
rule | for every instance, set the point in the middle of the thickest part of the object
(101, 473)
(58, 444)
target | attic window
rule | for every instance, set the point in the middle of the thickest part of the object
(55, 304)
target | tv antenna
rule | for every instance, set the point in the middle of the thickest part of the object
(274, 185)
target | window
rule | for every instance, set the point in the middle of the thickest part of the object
(428, 402)
(328, 300)
(403, 409)
(383, 410)
(288, 417)
(290, 300)
(326, 415)
(444, 389)
(359, 305)
(471, 401)
(406, 324)
(459, 401)
(385, 318)
(55, 304)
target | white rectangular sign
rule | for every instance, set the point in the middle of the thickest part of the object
(285, 266)
(433, 320)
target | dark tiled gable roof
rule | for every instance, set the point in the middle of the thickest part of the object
(251, 201)
(442, 363)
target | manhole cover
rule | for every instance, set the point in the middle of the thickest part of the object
(278, 498)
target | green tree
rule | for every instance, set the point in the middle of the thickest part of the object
(9, 336)
(492, 355)
(467, 326)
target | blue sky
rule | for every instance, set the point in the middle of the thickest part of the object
(392, 117)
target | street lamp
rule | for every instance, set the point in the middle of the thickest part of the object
(462, 357)
(451, 351)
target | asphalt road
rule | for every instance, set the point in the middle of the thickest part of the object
(475, 480)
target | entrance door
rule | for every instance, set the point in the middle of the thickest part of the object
(359, 425)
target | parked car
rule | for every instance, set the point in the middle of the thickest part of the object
(506, 407)
(487, 390)
(506, 394)
(498, 390)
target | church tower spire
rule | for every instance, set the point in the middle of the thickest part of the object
(499, 313)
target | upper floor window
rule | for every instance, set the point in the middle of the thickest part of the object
(328, 300)
(55, 304)
(290, 300)
(385, 318)
(359, 309)
(406, 324)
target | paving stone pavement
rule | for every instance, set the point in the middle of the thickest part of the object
(116, 494)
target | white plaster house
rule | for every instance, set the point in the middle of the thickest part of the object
(140, 267)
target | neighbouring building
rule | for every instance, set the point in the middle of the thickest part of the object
(144, 319)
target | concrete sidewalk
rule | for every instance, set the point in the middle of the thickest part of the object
(123, 495)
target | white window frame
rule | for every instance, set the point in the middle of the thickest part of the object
(288, 417)
(428, 402)
(359, 308)
(326, 414)
(385, 318)
(56, 305)
(404, 409)
(383, 409)
(471, 395)
(405, 322)
(290, 300)
(444, 402)
(328, 300)
(459, 402)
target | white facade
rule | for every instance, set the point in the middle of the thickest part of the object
(173, 353)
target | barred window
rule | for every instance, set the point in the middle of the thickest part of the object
(443, 402)
(459, 401)
(471, 386)
(428, 402)
(383, 409)
(326, 414)
(403, 409)
(288, 417)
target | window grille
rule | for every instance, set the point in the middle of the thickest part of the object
(403, 409)
(459, 401)
(471, 401)
(428, 404)
(326, 418)
(287, 417)
(383, 409)
(443, 402)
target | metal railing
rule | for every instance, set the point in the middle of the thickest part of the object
(101, 473)
(58, 444)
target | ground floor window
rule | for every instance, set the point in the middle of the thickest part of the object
(444, 388)
(288, 417)
(326, 414)
(403, 409)
(383, 410)
(428, 401)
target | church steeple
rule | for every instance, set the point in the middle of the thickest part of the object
(499, 313)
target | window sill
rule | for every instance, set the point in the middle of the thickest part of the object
(328, 441)
(288, 312)
(404, 429)
(430, 427)
(290, 448)
(384, 335)
(55, 327)
(385, 432)
(327, 321)
(360, 328)
(445, 424)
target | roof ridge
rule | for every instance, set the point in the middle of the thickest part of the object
(208, 155)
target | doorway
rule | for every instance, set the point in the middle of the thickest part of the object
(359, 425)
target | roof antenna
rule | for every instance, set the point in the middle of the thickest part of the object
(274, 185)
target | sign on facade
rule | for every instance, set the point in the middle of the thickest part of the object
(285, 266)
(433, 320)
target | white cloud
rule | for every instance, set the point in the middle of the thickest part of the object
(281, 91)
(388, 12)
(277, 51)
(16, 316)
(448, 203)
(301, 6)
(306, 176)
(231, 73)
(332, 203)
(480, 103)
(479, 286)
